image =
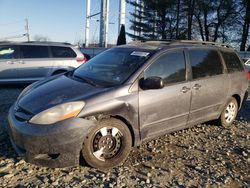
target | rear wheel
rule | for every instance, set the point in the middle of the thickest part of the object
(229, 113)
(107, 145)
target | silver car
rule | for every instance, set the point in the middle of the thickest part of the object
(31, 61)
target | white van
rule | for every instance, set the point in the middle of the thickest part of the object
(22, 62)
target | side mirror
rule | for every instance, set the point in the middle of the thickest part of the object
(153, 82)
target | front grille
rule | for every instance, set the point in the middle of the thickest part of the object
(22, 114)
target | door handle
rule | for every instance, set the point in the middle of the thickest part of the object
(10, 62)
(197, 86)
(185, 89)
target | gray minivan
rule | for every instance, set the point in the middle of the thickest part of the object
(123, 96)
(31, 61)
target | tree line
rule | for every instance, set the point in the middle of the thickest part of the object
(226, 21)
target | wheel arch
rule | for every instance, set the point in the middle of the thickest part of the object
(98, 117)
(128, 125)
(238, 99)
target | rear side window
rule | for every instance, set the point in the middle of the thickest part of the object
(232, 62)
(170, 67)
(31, 51)
(7, 52)
(205, 62)
(58, 51)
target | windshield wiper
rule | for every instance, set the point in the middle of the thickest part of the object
(85, 79)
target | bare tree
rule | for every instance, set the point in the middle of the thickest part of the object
(246, 25)
(190, 15)
(213, 16)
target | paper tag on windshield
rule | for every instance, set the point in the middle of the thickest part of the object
(141, 54)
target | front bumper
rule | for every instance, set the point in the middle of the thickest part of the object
(55, 145)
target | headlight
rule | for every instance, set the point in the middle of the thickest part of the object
(58, 113)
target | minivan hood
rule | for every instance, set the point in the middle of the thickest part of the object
(51, 92)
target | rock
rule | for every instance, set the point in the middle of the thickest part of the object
(55, 183)
(21, 162)
(227, 179)
(6, 167)
(45, 179)
(198, 168)
(111, 185)
(7, 176)
(84, 181)
(148, 181)
(142, 183)
(244, 154)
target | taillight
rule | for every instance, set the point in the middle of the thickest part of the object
(248, 75)
(81, 60)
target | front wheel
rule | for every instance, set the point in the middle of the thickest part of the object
(107, 145)
(229, 113)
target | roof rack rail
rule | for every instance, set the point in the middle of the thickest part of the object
(204, 43)
(170, 42)
(48, 42)
(5, 41)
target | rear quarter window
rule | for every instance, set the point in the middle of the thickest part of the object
(62, 52)
(31, 51)
(7, 52)
(232, 62)
(205, 62)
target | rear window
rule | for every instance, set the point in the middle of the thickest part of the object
(7, 52)
(205, 62)
(58, 51)
(232, 62)
(31, 51)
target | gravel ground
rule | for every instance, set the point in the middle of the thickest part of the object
(203, 156)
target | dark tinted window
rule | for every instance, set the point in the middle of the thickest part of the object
(34, 51)
(205, 62)
(7, 52)
(170, 67)
(58, 51)
(232, 62)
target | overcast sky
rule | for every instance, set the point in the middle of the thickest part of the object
(59, 20)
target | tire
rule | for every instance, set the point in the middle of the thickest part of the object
(229, 113)
(107, 145)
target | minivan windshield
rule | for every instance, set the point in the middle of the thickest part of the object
(112, 67)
